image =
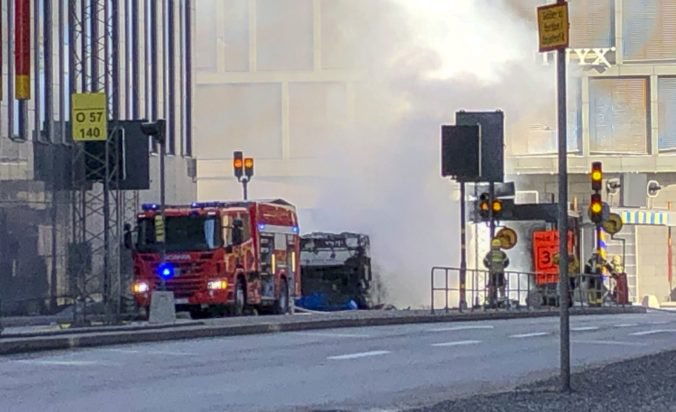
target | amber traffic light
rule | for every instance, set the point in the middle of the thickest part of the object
(238, 164)
(249, 167)
(596, 208)
(497, 206)
(596, 176)
(484, 205)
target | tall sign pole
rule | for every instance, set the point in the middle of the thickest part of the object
(553, 31)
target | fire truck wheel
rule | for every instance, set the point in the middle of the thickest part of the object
(240, 297)
(282, 304)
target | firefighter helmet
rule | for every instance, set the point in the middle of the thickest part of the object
(496, 244)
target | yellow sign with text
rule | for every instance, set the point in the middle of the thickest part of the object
(553, 28)
(89, 117)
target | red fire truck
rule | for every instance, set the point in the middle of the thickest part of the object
(227, 256)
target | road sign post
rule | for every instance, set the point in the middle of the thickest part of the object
(553, 31)
(89, 117)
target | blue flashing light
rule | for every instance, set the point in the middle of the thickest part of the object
(201, 205)
(166, 270)
(295, 229)
(150, 206)
(261, 227)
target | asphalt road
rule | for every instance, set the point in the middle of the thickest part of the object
(375, 368)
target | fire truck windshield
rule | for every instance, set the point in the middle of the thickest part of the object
(183, 233)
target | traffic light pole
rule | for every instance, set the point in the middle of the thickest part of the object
(563, 220)
(463, 248)
(245, 188)
(163, 249)
(491, 191)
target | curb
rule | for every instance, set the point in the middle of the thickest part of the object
(171, 332)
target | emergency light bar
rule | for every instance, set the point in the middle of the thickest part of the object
(150, 206)
(201, 205)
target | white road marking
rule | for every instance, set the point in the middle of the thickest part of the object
(359, 355)
(468, 327)
(661, 322)
(608, 342)
(333, 335)
(46, 362)
(149, 352)
(626, 325)
(653, 332)
(584, 328)
(529, 335)
(458, 343)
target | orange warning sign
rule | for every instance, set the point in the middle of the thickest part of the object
(545, 247)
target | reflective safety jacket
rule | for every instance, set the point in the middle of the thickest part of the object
(496, 261)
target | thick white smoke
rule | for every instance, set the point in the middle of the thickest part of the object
(422, 61)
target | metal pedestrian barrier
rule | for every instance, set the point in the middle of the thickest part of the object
(522, 290)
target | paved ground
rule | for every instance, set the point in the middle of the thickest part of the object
(643, 384)
(392, 367)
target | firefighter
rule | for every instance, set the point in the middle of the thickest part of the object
(496, 261)
(594, 272)
(573, 270)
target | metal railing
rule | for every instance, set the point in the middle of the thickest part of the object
(522, 290)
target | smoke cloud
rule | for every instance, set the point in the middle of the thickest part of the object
(421, 61)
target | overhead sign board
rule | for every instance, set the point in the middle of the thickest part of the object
(553, 30)
(492, 135)
(460, 152)
(89, 117)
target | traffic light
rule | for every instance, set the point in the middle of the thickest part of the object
(156, 130)
(596, 208)
(497, 208)
(249, 167)
(596, 176)
(484, 205)
(238, 164)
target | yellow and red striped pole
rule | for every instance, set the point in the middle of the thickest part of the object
(22, 48)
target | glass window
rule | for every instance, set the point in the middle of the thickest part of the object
(316, 113)
(536, 132)
(183, 233)
(666, 95)
(284, 35)
(618, 118)
(238, 115)
(592, 23)
(649, 28)
(206, 35)
(236, 35)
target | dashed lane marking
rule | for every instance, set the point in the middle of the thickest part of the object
(626, 325)
(607, 342)
(653, 332)
(333, 335)
(529, 335)
(584, 328)
(359, 355)
(149, 352)
(457, 343)
(467, 327)
(45, 362)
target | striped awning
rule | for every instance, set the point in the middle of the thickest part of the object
(645, 217)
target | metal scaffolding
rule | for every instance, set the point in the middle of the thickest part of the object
(97, 203)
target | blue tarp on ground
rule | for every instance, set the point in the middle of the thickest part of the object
(319, 301)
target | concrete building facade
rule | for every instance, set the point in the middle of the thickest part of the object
(272, 78)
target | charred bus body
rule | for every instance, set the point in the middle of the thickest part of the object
(335, 271)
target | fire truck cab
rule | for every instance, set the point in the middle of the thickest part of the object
(225, 256)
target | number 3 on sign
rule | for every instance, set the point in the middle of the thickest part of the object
(88, 117)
